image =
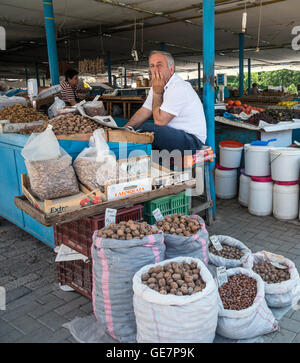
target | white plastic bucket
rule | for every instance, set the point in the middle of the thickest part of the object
(285, 201)
(285, 164)
(260, 198)
(244, 189)
(226, 183)
(257, 160)
(231, 154)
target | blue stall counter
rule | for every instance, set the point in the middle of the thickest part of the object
(12, 165)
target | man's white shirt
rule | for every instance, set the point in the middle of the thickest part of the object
(182, 101)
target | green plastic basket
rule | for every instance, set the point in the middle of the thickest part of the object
(177, 203)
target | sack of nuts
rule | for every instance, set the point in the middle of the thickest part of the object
(49, 167)
(243, 311)
(185, 236)
(280, 276)
(175, 302)
(94, 166)
(232, 254)
(118, 252)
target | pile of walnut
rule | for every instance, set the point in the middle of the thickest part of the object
(228, 252)
(127, 230)
(20, 113)
(68, 124)
(179, 224)
(175, 278)
(271, 274)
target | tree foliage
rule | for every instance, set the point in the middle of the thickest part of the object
(283, 77)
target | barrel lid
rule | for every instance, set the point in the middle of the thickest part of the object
(231, 144)
(286, 183)
(220, 167)
(262, 179)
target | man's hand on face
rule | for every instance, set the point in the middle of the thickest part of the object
(158, 83)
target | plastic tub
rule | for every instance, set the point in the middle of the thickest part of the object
(285, 164)
(260, 196)
(244, 188)
(231, 153)
(257, 160)
(225, 183)
(286, 200)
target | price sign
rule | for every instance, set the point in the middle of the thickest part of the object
(216, 243)
(157, 215)
(222, 275)
(110, 216)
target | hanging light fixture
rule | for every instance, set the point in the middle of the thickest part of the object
(244, 19)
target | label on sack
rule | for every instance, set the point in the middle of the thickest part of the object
(216, 243)
(157, 215)
(110, 216)
(222, 275)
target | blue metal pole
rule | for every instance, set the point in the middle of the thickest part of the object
(125, 79)
(51, 41)
(26, 76)
(44, 81)
(108, 67)
(209, 82)
(249, 76)
(163, 47)
(37, 74)
(241, 75)
(199, 77)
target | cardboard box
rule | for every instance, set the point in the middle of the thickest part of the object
(129, 188)
(61, 205)
(115, 135)
(8, 127)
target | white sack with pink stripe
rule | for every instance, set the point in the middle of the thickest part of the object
(229, 263)
(282, 294)
(195, 246)
(248, 323)
(176, 319)
(114, 264)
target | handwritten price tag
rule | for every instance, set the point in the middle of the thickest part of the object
(216, 243)
(110, 216)
(157, 215)
(222, 275)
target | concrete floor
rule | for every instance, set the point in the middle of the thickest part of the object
(37, 308)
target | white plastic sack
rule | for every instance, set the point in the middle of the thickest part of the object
(42, 146)
(248, 323)
(94, 165)
(49, 167)
(114, 264)
(55, 107)
(94, 108)
(229, 263)
(9, 101)
(195, 246)
(49, 92)
(282, 294)
(176, 319)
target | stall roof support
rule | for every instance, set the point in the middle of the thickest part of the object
(249, 76)
(51, 41)
(209, 81)
(108, 67)
(241, 75)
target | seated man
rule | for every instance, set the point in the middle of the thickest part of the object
(179, 120)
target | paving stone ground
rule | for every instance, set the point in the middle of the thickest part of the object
(36, 308)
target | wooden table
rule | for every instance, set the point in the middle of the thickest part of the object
(126, 101)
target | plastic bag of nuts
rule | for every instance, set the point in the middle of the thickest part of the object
(185, 236)
(49, 167)
(280, 276)
(175, 318)
(115, 261)
(233, 254)
(243, 311)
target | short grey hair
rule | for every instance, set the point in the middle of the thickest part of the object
(169, 57)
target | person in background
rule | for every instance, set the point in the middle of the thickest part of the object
(177, 111)
(254, 89)
(71, 92)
